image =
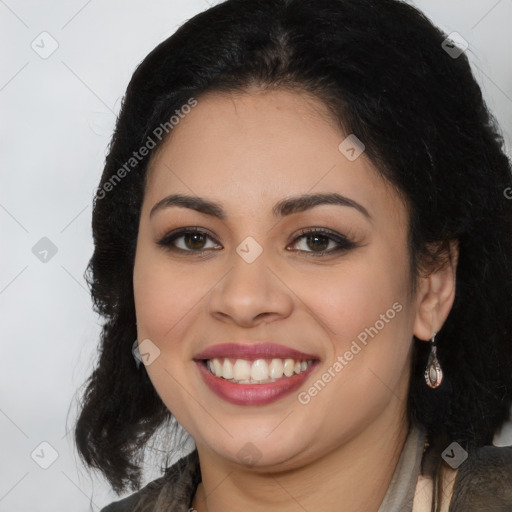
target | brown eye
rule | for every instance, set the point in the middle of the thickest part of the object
(318, 242)
(194, 240)
(188, 240)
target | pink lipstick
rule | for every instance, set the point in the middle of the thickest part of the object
(245, 393)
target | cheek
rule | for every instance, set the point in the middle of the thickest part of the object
(366, 318)
(351, 297)
(166, 302)
(363, 311)
(165, 294)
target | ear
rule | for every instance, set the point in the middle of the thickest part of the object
(435, 296)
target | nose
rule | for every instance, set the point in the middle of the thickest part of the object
(250, 294)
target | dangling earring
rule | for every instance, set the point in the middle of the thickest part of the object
(433, 372)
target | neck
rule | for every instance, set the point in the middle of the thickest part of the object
(354, 477)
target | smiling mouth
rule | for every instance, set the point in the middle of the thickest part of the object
(256, 371)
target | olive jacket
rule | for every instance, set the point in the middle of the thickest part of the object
(477, 481)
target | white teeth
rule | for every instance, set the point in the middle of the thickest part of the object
(288, 367)
(241, 370)
(258, 371)
(227, 369)
(217, 367)
(276, 369)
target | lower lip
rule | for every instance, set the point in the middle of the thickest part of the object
(253, 394)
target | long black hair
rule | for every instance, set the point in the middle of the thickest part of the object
(381, 68)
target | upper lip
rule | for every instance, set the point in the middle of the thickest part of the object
(253, 351)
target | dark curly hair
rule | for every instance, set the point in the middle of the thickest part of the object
(380, 68)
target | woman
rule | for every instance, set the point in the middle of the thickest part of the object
(303, 222)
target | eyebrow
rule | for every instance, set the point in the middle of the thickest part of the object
(282, 208)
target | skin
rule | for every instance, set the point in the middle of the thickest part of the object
(247, 152)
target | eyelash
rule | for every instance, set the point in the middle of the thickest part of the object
(344, 243)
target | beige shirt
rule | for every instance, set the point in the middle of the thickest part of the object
(401, 491)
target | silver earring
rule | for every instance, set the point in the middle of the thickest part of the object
(433, 372)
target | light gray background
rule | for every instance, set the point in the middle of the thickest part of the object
(57, 116)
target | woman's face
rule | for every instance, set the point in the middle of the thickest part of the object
(252, 276)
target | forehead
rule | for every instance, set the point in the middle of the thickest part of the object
(249, 147)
